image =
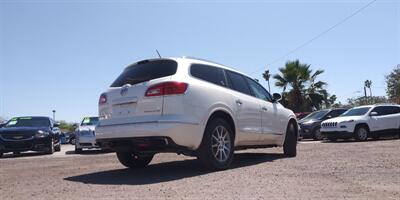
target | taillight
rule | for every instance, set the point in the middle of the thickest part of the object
(103, 99)
(166, 88)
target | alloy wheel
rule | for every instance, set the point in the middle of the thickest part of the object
(221, 143)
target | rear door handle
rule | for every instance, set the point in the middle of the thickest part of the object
(239, 102)
(264, 108)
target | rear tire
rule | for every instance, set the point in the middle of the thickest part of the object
(290, 144)
(134, 161)
(361, 133)
(1, 154)
(216, 151)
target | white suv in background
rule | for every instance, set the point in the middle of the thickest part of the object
(190, 106)
(363, 122)
(85, 134)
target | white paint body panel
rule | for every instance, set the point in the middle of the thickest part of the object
(183, 117)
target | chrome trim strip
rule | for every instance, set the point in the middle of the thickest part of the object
(151, 122)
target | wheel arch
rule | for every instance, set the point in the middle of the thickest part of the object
(221, 113)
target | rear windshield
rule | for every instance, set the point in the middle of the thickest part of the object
(146, 70)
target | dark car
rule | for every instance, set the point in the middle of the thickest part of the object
(30, 134)
(311, 124)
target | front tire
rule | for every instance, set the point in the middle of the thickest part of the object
(361, 133)
(290, 144)
(134, 161)
(217, 148)
(58, 147)
(51, 148)
(317, 134)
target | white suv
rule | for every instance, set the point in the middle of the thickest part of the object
(363, 122)
(190, 106)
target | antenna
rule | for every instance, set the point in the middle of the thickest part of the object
(158, 53)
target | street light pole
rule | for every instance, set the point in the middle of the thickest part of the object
(54, 115)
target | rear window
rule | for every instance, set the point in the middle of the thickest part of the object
(208, 73)
(146, 70)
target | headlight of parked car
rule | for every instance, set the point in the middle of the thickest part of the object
(41, 134)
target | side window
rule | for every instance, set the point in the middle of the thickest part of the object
(334, 113)
(392, 110)
(258, 90)
(380, 110)
(238, 83)
(208, 73)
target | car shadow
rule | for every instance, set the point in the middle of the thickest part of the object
(89, 152)
(23, 154)
(168, 171)
(352, 140)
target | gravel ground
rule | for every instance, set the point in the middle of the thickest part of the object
(342, 170)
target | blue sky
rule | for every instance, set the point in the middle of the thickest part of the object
(62, 55)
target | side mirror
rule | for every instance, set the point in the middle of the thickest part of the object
(276, 97)
(57, 124)
(373, 114)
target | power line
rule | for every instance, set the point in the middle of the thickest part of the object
(317, 36)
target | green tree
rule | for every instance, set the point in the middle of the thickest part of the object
(359, 101)
(393, 85)
(267, 76)
(66, 127)
(305, 91)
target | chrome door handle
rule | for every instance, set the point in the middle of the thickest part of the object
(239, 102)
(264, 108)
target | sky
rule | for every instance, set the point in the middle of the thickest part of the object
(62, 54)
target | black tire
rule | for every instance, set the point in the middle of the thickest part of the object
(78, 150)
(317, 134)
(216, 151)
(361, 133)
(134, 161)
(290, 144)
(58, 147)
(51, 147)
(1, 154)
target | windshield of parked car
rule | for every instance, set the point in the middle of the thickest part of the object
(90, 121)
(356, 112)
(316, 115)
(28, 122)
(144, 71)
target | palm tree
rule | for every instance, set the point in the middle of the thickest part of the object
(297, 76)
(266, 76)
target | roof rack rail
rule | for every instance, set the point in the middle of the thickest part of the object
(191, 57)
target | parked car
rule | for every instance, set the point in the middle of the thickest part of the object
(65, 138)
(85, 134)
(301, 115)
(192, 107)
(30, 134)
(310, 125)
(364, 122)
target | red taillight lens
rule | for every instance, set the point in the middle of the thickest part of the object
(103, 99)
(166, 88)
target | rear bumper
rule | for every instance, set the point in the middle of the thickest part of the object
(35, 144)
(187, 135)
(143, 145)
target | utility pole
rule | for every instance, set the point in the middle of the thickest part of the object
(54, 115)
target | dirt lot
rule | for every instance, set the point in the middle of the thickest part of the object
(343, 170)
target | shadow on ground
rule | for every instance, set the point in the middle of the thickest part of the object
(88, 152)
(168, 171)
(352, 140)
